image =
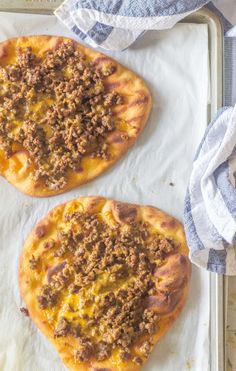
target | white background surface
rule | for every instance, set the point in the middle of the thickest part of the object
(175, 66)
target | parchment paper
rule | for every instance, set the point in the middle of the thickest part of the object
(155, 171)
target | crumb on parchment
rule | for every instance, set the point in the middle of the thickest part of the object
(189, 364)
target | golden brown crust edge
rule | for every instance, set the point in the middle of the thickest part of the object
(179, 267)
(135, 112)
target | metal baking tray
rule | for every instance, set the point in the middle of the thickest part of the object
(218, 283)
(29, 6)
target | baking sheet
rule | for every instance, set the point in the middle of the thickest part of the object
(155, 171)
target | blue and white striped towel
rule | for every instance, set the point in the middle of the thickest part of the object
(210, 207)
(116, 24)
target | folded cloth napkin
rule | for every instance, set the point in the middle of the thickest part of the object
(210, 205)
(116, 24)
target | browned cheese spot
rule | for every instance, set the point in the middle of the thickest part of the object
(125, 212)
(134, 119)
(102, 59)
(3, 51)
(169, 224)
(139, 101)
(94, 203)
(114, 84)
(118, 137)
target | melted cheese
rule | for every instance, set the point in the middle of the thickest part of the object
(77, 308)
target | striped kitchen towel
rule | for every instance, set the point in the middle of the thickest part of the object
(210, 204)
(116, 24)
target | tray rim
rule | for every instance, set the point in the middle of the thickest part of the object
(218, 283)
(30, 6)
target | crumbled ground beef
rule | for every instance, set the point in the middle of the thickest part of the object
(118, 314)
(103, 351)
(63, 328)
(34, 262)
(62, 279)
(24, 311)
(74, 116)
(85, 351)
(146, 348)
(125, 355)
(48, 297)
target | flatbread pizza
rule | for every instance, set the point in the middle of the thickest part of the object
(67, 113)
(104, 281)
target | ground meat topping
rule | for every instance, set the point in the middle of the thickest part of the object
(85, 351)
(24, 311)
(48, 297)
(103, 351)
(125, 355)
(64, 111)
(34, 262)
(63, 328)
(109, 271)
(146, 348)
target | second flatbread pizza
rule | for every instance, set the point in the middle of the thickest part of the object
(67, 113)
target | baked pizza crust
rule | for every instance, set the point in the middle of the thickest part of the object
(133, 114)
(172, 277)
